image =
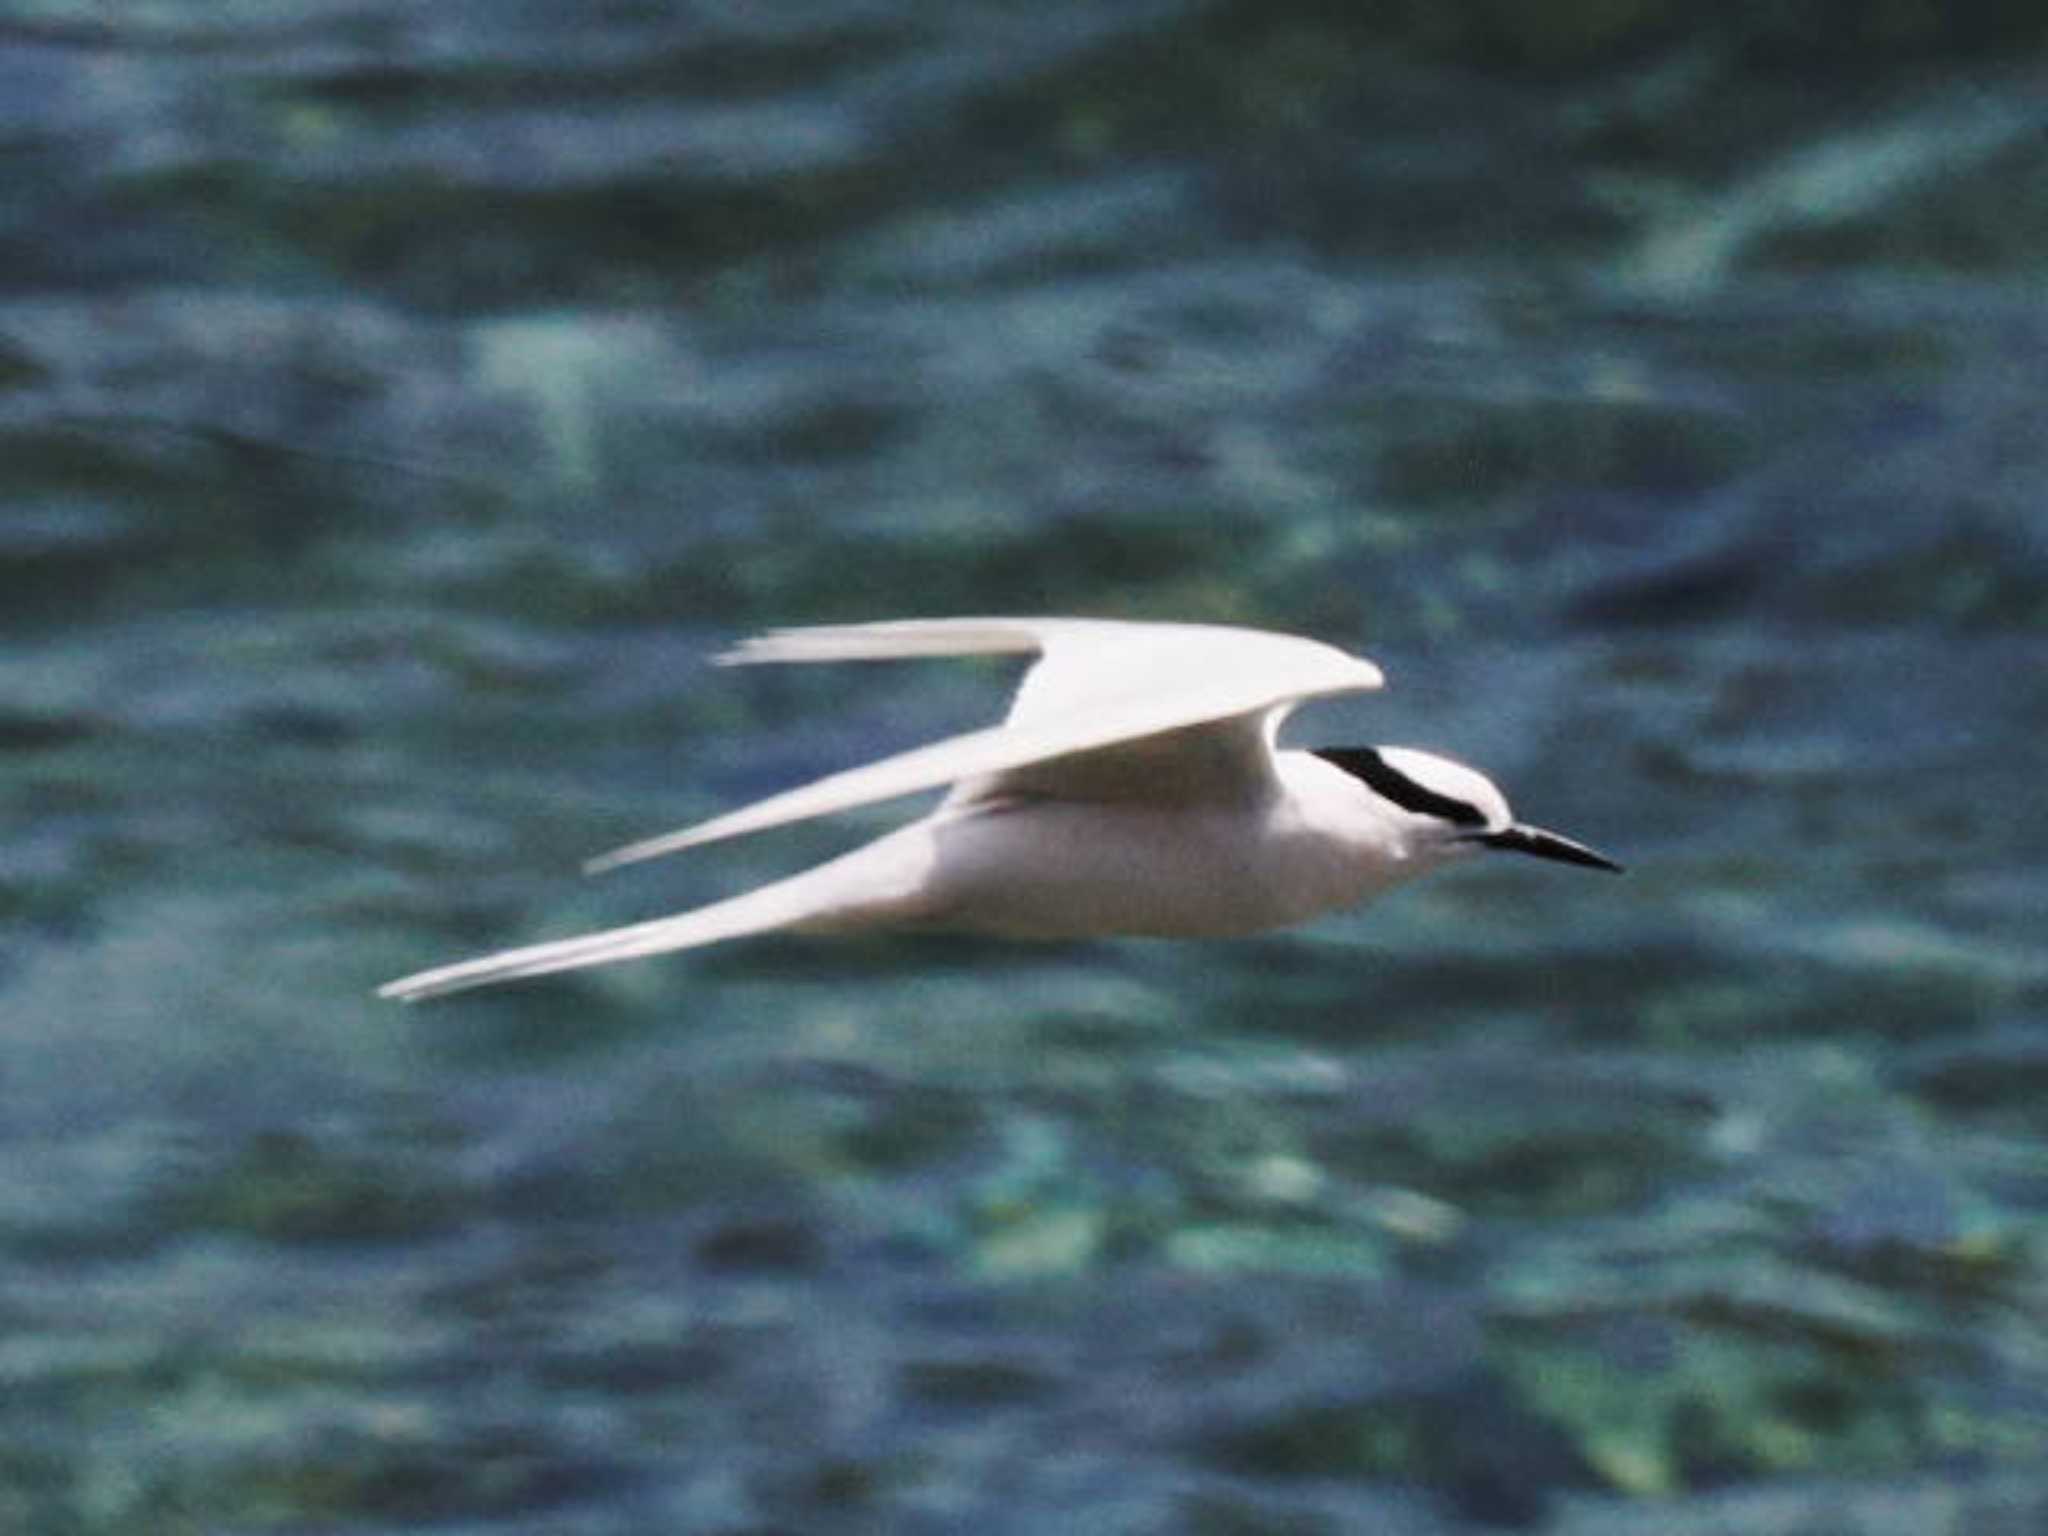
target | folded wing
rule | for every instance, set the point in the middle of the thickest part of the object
(1110, 708)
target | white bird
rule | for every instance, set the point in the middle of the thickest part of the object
(1135, 787)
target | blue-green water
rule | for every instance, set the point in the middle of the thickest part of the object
(398, 406)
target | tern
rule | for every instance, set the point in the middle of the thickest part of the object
(1134, 788)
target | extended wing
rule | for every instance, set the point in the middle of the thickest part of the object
(1195, 704)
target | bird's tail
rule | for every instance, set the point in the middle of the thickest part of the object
(878, 885)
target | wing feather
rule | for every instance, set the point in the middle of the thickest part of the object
(893, 638)
(1100, 683)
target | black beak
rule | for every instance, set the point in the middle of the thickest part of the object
(1547, 845)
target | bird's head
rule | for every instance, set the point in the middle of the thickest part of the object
(1445, 809)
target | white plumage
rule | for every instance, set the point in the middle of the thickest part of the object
(1133, 788)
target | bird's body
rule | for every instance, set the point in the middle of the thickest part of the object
(1060, 869)
(1133, 789)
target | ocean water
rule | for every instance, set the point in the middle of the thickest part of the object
(401, 405)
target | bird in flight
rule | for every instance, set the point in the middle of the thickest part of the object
(1134, 788)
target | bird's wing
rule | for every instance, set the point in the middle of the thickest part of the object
(1111, 707)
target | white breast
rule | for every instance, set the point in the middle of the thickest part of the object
(1072, 869)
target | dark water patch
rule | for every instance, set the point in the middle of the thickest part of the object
(283, 1187)
(758, 1242)
(976, 1384)
(1450, 454)
(1468, 1442)
(1995, 1073)
(1501, 1134)
(1917, 1231)
(362, 1473)
(911, 1130)
(29, 732)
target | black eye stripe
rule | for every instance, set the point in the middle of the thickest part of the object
(1366, 763)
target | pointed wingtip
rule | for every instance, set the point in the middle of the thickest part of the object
(784, 643)
(645, 849)
(439, 981)
(443, 980)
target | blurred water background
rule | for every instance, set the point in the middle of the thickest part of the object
(400, 402)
